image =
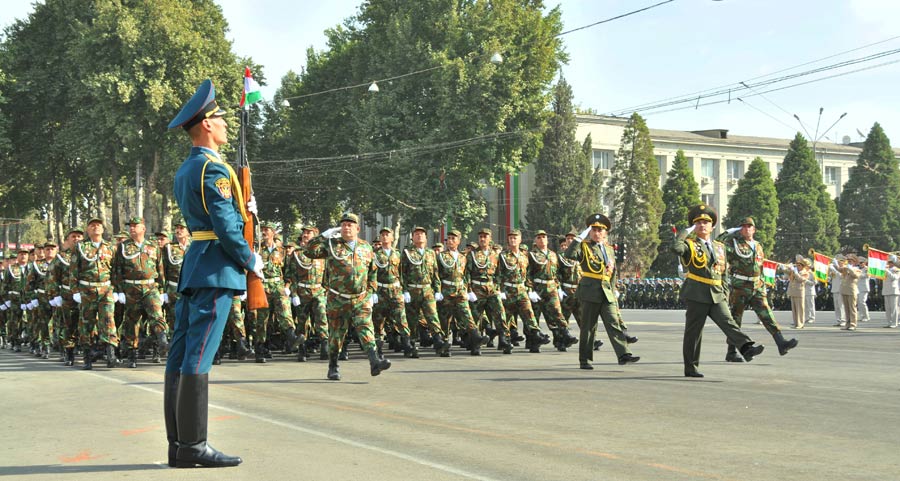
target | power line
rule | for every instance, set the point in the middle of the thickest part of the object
(607, 20)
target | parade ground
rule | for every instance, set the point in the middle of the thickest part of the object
(826, 411)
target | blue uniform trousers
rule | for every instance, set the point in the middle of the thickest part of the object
(200, 317)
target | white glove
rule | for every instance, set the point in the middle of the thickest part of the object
(35, 302)
(120, 297)
(258, 266)
(502, 296)
(58, 301)
(534, 296)
(52, 302)
(295, 301)
(3, 307)
(690, 229)
(164, 298)
(584, 234)
(244, 296)
(562, 293)
(438, 297)
(471, 296)
(8, 304)
(733, 230)
(23, 307)
(251, 206)
(374, 298)
(287, 291)
(406, 298)
(77, 297)
(331, 233)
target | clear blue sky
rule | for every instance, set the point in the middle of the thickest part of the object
(678, 48)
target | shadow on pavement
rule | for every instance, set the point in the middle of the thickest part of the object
(71, 469)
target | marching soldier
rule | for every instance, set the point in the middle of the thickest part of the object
(351, 290)
(59, 287)
(452, 272)
(40, 303)
(745, 258)
(391, 307)
(139, 276)
(595, 291)
(705, 261)
(569, 275)
(516, 296)
(278, 296)
(482, 265)
(305, 277)
(173, 257)
(90, 270)
(14, 286)
(422, 288)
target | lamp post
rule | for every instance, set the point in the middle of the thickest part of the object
(816, 138)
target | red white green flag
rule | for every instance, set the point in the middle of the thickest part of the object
(768, 272)
(251, 89)
(877, 263)
(820, 267)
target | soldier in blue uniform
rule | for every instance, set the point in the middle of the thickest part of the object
(212, 273)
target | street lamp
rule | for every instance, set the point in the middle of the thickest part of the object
(816, 138)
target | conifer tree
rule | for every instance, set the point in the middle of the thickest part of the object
(756, 197)
(679, 193)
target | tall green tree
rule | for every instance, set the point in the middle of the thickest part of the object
(807, 217)
(635, 196)
(679, 193)
(562, 172)
(870, 201)
(756, 196)
(460, 94)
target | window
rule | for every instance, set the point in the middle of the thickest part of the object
(735, 169)
(708, 168)
(832, 175)
(709, 199)
(661, 163)
(603, 159)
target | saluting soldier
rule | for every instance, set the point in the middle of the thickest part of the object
(745, 256)
(305, 277)
(482, 266)
(278, 295)
(543, 267)
(422, 288)
(90, 270)
(703, 292)
(351, 285)
(390, 312)
(595, 292)
(516, 296)
(59, 288)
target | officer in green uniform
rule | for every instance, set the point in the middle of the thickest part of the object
(704, 294)
(351, 285)
(595, 292)
(745, 259)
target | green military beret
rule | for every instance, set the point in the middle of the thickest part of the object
(702, 212)
(348, 217)
(135, 220)
(485, 231)
(748, 221)
(455, 232)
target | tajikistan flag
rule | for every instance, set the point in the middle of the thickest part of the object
(877, 263)
(768, 272)
(251, 89)
(821, 267)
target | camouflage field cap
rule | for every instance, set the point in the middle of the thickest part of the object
(50, 244)
(514, 232)
(385, 229)
(348, 217)
(485, 231)
(419, 228)
(748, 221)
(71, 230)
(540, 232)
(135, 220)
(94, 219)
(455, 233)
(437, 245)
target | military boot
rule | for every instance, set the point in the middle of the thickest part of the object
(376, 363)
(260, 354)
(162, 343)
(514, 337)
(441, 346)
(192, 419)
(88, 359)
(345, 352)
(290, 341)
(170, 401)
(732, 355)
(334, 372)
(784, 345)
(70, 356)
(491, 333)
(503, 343)
(242, 348)
(408, 349)
(217, 358)
(323, 349)
(46, 352)
(302, 353)
(535, 344)
(749, 351)
(111, 359)
(566, 337)
(132, 358)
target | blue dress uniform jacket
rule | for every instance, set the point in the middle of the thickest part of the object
(208, 196)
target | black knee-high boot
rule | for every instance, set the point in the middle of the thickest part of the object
(192, 418)
(170, 402)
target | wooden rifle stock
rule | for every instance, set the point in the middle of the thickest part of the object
(256, 294)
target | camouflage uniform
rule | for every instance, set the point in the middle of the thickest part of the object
(543, 267)
(173, 257)
(279, 302)
(36, 287)
(511, 276)
(90, 270)
(391, 308)
(481, 275)
(419, 278)
(305, 278)
(452, 272)
(138, 273)
(14, 287)
(569, 274)
(745, 260)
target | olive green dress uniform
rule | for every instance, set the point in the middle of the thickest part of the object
(745, 260)
(596, 295)
(704, 293)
